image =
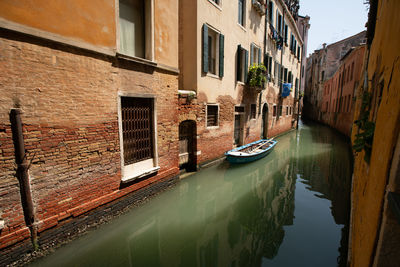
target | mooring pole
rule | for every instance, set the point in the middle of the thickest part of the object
(22, 174)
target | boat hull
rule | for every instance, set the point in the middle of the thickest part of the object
(234, 157)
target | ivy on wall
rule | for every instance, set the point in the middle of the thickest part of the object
(364, 138)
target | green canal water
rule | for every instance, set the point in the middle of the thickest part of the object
(289, 209)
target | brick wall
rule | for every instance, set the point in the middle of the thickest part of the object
(70, 126)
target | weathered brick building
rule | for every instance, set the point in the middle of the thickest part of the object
(322, 65)
(98, 105)
(338, 96)
(218, 109)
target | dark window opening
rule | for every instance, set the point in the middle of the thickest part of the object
(239, 109)
(253, 108)
(212, 115)
(274, 111)
(241, 12)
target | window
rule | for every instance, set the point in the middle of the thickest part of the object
(268, 65)
(212, 115)
(287, 110)
(286, 33)
(280, 110)
(241, 14)
(285, 75)
(348, 104)
(280, 76)
(298, 52)
(276, 72)
(135, 26)
(290, 111)
(242, 58)
(253, 108)
(255, 55)
(213, 51)
(137, 122)
(274, 111)
(279, 22)
(239, 109)
(271, 12)
(322, 75)
(352, 71)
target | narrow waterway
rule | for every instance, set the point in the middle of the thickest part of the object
(288, 209)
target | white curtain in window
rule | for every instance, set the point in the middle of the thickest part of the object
(131, 22)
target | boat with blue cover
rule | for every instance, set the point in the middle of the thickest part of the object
(251, 152)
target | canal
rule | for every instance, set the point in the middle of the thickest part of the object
(288, 209)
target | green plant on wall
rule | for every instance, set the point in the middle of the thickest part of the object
(257, 76)
(363, 139)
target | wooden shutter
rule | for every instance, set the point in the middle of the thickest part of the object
(259, 56)
(246, 64)
(298, 52)
(270, 66)
(272, 13)
(286, 33)
(221, 55)
(252, 60)
(239, 62)
(205, 48)
(285, 75)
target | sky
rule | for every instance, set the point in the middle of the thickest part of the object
(333, 20)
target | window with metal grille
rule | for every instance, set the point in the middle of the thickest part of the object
(253, 108)
(137, 129)
(212, 115)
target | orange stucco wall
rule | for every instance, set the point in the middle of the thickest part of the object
(90, 21)
(166, 32)
(370, 180)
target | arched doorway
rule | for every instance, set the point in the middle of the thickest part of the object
(187, 145)
(264, 123)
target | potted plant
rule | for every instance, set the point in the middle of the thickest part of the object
(257, 77)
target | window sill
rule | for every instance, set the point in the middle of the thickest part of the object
(137, 59)
(212, 127)
(242, 27)
(140, 175)
(215, 5)
(212, 75)
(240, 83)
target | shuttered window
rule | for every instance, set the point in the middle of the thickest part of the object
(212, 51)
(137, 129)
(255, 55)
(271, 12)
(242, 62)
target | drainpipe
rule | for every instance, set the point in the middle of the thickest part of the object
(22, 174)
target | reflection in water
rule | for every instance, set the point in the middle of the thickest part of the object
(284, 210)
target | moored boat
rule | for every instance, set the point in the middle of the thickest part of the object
(251, 152)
